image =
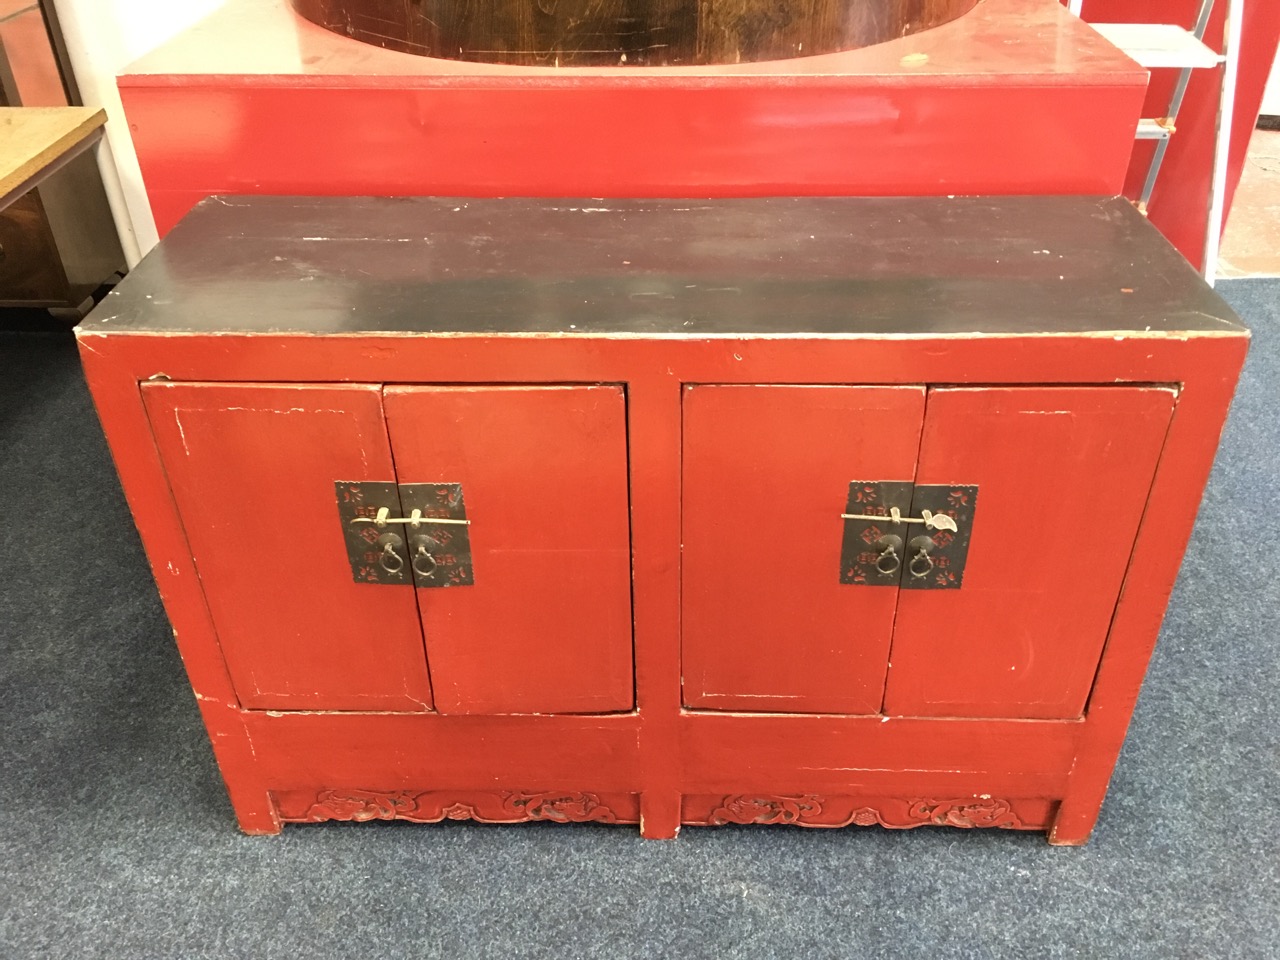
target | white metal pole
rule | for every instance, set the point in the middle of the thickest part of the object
(1222, 140)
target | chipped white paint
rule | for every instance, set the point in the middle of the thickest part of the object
(888, 769)
(181, 432)
(282, 411)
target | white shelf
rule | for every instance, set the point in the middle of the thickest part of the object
(1156, 45)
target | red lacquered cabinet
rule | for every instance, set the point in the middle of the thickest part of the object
(822, 512)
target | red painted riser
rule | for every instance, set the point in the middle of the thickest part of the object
(837, 139)
(1016, 97)
(847, 124)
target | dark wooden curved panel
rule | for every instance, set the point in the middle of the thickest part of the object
(579, 33)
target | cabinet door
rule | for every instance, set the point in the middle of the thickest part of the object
(546, 625)
(1063, 476)
(766, 623)
(252, 469)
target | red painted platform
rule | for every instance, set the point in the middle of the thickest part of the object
(1015, 97)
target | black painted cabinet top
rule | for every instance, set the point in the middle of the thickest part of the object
(768, 266)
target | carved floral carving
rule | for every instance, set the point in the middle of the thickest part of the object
(434, 806)
(814, 811)
(363, 805)
(511, 806)
(977, 812)
(743, 809)
(562, 807)
(865, 817)
(459, 811)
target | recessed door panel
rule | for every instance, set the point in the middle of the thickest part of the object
(544, 626)
(1062, 476)
(767, 624)
(252, 469)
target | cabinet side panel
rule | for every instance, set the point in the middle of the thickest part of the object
(767, 624)
(546, 625)
(252, 469)
(1063, 475)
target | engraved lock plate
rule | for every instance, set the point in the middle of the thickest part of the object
(943, 567)
(440, 553)
(873, 552)
(376, 555)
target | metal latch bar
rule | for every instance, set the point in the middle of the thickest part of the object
(932, 521)
(415, 518)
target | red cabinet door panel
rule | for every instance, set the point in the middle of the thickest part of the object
(1063, 476)
(766, 624)
(546, 626)
(252, 469)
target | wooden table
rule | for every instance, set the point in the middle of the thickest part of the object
(37, 142)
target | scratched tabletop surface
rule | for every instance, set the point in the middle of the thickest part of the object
(788, 266)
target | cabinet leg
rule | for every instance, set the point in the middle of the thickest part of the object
(659, 815)
(1073, 824)
(256, 812)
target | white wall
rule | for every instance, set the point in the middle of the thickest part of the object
(1271, 96)
(103, 37)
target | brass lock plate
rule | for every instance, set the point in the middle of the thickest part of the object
(440, 552)
(873, 551)
(943, 566)
(376, 555)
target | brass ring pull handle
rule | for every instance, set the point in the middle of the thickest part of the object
(915, 567)
(415, 519)
(424, 564)
(889, 561)
(931, 521)
(389, 560)
(921, 563)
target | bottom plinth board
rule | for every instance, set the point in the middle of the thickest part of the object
(432, 806)
(896, 813)
(565, 806)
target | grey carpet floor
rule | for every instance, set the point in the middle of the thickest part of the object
(116, 839)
